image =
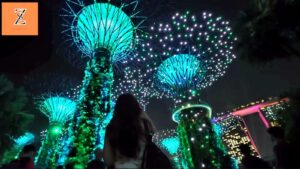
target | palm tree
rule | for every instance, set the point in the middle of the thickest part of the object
(269, 29)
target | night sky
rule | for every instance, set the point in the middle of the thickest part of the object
(244, 82)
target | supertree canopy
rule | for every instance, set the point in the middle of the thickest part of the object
(114, 29)
(105, 33)
(59, 110)
(168, 140)
(200, 49)
(26, 139)
(180, 72)
(100, 25)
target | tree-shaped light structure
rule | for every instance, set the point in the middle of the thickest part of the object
(100, 25)
(168, 141)
(187, 54)
(26, 139)
(105, 33)
(179, 72)
(59, 110)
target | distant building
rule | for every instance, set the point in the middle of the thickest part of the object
(247, 124)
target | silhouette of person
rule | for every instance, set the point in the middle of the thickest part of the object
(125, 137)
(251, 162)
(286, 156)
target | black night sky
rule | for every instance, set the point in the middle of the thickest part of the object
(244, 82)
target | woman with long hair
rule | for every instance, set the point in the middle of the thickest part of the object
(125, 137)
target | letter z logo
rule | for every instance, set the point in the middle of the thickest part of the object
(20, 13)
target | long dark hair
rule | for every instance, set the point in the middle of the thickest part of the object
(124, 130)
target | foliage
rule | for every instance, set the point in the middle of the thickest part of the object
(291, 116)
(9, 155)
(13, 114)
(269, 30)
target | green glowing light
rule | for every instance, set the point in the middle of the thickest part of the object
(180, 72)
(25, 139)
(58, 109)
(56, 130)
(176, 117)
(102, 25)
(171, 145)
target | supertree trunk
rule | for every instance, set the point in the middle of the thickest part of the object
(200, 146)
(176, 162)
(48, 149)
(94, 105)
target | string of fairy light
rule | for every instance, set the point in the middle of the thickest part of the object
(168, 141)
(134, 81)
(200, 46)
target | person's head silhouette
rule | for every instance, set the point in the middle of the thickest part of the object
(127, 107)
(125, 128)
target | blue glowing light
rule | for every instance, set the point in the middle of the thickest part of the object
(102, 25)
(26, 139)
(176, 114)
(58, 109)
(171, 145)
(168, 141)
(103, 130)
(180, 72)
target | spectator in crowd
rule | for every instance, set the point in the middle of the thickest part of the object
(284, 152)
(125, 138)
(252, 162)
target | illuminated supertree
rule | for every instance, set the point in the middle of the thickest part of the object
(106, 34)
(187, 54)
(26, 139)
(184, 56)
(168, 141)
(59, 110)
